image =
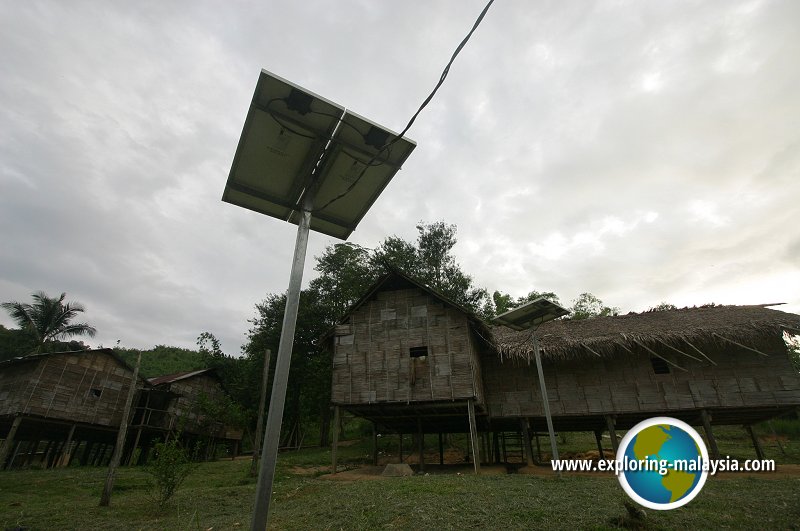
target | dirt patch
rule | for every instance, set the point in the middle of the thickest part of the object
(309, 470)
(356, 474)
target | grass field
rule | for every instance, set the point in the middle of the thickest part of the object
(219, 495)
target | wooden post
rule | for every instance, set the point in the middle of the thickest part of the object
(15, 453)
(32, 450)
(374, 444)
(775, 435)
(335, 443)
(421, 445)
(598, 436)
(400, 447)
(538, 446)
(58, 450)
(135, 445)
(526, 442)
(496, 447)
(612, 431)
(105, 497)
(8, 444)
(87, 452)
(260, 422)
(46, 453)
(473, 436)
(441, 450)
(756, 442)
(66, 454)
(712, 442)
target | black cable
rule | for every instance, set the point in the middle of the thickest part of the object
(414, 117)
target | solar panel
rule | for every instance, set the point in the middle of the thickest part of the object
(292, 138)
(531, 314)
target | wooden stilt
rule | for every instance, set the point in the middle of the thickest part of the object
(441, 449)
(335, 444)
(775, 436)
(8, 444)
(87, 451)
(612, 431)
(400, 448)
(32, 451)
(54, 454)
(598, 436)
(538, 447)
(14, 454)
(526, 441)
(712, 442)
(66, 454)
(496, 447)
(756, 442)
(473, 436)
(136, 445)
(374, 445)
(421, 445)
(46, 453)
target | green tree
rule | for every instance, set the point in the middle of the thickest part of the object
(588, 305)
(308, 389)
(503, 302)
(431, 262)
(346, 271)
(48, 320)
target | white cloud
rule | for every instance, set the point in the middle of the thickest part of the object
(641, 151)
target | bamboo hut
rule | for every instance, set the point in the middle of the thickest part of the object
(412, 361)
(178, 404)
(59, 407)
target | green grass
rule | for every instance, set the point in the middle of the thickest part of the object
(219, 495)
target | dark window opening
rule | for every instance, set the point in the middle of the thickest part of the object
(659, 366)
(418, 352)
(94, 393)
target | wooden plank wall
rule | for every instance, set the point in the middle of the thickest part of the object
(65, 386)
(628, 384)
(372, 363)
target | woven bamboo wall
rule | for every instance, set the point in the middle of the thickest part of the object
(185, 407)
(627, 383)
(66, 386)
(372, 361)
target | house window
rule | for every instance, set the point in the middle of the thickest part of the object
(418, 352)
(659, 366)
(94, 393)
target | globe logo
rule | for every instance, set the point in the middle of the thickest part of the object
(664, 463)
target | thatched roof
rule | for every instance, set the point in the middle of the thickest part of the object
(709, 328)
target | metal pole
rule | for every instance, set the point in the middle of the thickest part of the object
(260, 423)
(545, 402)
(269, 450)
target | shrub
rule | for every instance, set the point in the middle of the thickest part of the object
(168, 468)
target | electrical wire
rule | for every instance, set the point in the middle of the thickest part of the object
(414, 117)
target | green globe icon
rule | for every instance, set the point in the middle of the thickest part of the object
(665, 463)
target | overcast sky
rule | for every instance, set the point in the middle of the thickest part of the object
(644, 151)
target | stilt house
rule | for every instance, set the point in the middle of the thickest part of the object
(410, 360)
(60, 406)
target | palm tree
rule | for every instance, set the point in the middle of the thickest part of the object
(48, 319)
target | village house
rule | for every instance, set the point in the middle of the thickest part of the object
(57, 408)
(411, 361)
